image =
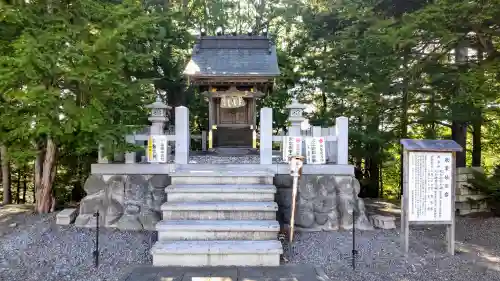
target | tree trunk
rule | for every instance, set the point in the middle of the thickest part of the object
(476, 138)
(372, 162)
(7, 193)
(18, 189)
(477, 124)
(25, 184)
(459, 126)
(404, 132)
(459, 134)
(44, 176)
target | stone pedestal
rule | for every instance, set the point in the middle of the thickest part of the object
(127, 202)
(324, 202)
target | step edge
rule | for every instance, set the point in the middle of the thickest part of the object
(204, 247)
(219, 174)
(219, 206)
(217, 226)
(220, 189)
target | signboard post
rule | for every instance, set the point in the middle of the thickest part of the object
(296, 163)
(428, 186)
(315, 150)
(157, 149)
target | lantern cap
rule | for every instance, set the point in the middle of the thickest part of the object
(295, 105)
(158, 105)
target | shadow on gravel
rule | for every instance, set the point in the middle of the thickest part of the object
(14, 216)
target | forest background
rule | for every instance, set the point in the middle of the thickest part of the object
(77, 73)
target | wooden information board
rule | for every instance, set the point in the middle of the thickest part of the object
(428, 186)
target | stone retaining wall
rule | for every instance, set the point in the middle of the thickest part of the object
(126, 202)
(463, 204)
(324, 202)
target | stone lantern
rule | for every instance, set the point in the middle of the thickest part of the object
(295, 117)
(158, 116)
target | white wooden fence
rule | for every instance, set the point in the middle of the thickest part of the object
(336, 139)
(178, 135)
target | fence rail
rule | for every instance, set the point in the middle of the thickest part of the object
(336, 138)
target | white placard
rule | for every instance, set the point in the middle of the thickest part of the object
(157, 149)
(292, 146)
(315, 150)
(430, 186)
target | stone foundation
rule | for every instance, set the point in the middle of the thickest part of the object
(126, 202)
(464, 194)
(324, 202)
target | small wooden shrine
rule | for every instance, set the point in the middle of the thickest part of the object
(233, 72)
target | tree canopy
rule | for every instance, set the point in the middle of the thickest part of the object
(77, 73)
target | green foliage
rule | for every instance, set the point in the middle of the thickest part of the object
(82, 71)
(488, 185)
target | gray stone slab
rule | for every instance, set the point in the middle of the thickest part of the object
(296, 272)
(163, 169)
(219, 206)
(430, 145)
(218, 225)
(219, 247)
(66, 216)
(217, 188)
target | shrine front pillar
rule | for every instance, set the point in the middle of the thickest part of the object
(211, 121)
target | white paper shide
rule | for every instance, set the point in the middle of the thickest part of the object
(315, 150)
(430, 186)
(157, 149)
(292, 146)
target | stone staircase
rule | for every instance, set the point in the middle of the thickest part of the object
(219, 217)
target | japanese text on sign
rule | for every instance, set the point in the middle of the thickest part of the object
(157, 149)
(430, 186)
(315, 150)
(292, 146)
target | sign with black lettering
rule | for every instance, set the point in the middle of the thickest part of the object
(292, 146)
(315, 150)
(429, 186)
(157, 149)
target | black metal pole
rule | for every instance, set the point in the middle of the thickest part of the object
(354, 252)
(96, 251)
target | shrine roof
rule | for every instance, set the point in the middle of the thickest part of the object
(430, 145)
(237, 56)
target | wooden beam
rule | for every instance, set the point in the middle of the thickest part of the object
(244, 80)
(245, 94)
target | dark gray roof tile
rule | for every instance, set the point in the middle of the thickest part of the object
(233, 56)
(430, 145)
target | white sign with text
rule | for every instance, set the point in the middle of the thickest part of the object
(315, 150)
(157, 149)
(430, 186)
(292, 146)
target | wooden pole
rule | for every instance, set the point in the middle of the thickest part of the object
(292, 216)
(296, 163)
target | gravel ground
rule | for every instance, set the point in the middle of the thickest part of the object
(45, 251)
(380, 255)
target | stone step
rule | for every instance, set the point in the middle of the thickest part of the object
(221, 176)
(216, 253)
(219, 210)
(212, 192)
(217, 230)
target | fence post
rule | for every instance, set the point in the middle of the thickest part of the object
(130, 156)
(342, 132)
(266, 135)
(101, 158)
(204, 140)
(316, 131)
(182, 140)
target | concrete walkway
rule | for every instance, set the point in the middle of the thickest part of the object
(281, 273)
